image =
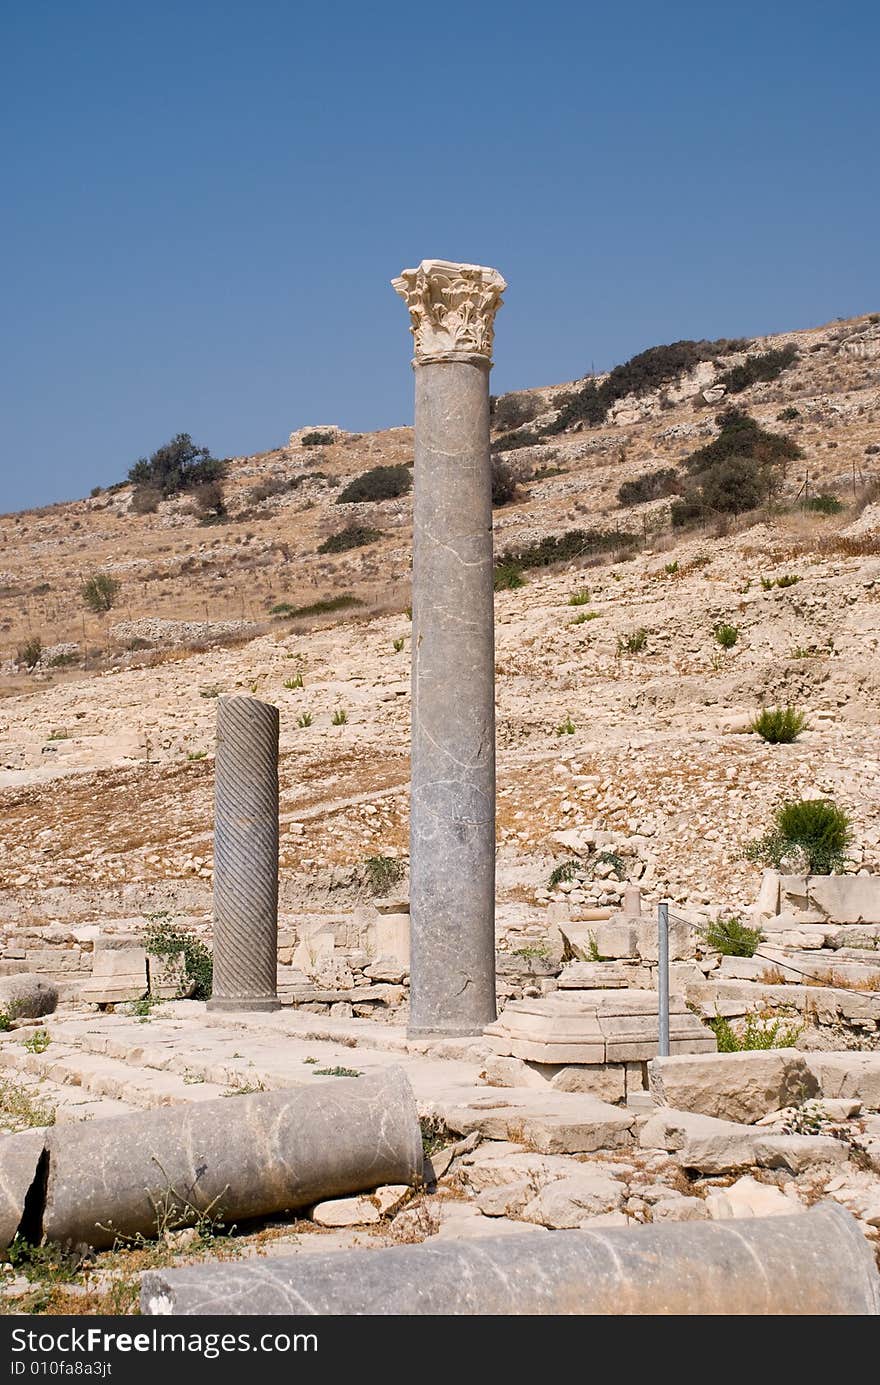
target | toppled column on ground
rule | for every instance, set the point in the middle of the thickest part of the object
(452, 806)
(227, 1160)
(816, 1263)
(246, 856)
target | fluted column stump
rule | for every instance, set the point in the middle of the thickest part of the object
(452, 801)
(246, 856)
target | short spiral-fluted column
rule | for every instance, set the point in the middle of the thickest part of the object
(452, 801)
(246, 856)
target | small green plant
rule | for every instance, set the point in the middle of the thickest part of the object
(142, 1008)
(30, 652)
(166, 940)
(787, 415)
(304, 719)
(337, 1072)
(634, 643)
(671, 568)
(583, 617)
(398, 645)
(565, 871)
(580, 598)
(779, 725)
(38, 1042)
(767, 584)
(787, 580)
(756, 1033)
(382, 873)
(21, 1109)
(566, 728)
(5, 1020)
(315, 608)
(508, 577)
(731, 938)
(726, 635)
(339, 717)
(610, 858)
(99, 592)
(824, 504)
(434, 1135)
(209, 692)
(531, 952)
(813, 830)
(197, 754)
(59, 734)
(291, 684)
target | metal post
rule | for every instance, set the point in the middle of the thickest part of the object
(663, 980)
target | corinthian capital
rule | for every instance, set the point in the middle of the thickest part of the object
(452, 308)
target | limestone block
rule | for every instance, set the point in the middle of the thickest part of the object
(19, 1157)
(748, 1198)
(346, 1211)
(612, 940)
(549, 1122)
(846, 898)
(732, 1086)
(700, 1142)
(508, 1200)
(118, 974)
(679, 1209)
(848, 1074)
(767, 903)
(316, 946)
(816, 1263)
(392, 938)
(682, 941)
(793, 893)
(799, 1152)
(594, 976)
(25, 996)
(571, 1202)
(603, 1080)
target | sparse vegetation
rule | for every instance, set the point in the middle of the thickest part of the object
(304, 719)
(99, 592)
(337, 1072)
(561, 548)
(566, 728)
(197, 754)
(813, 831)
(380, 483)
(30, 652)
(731, 937)
(508, 577)
(504, 483)
(316, 608)
(166, 940)
(726, 635)
(788, 414)
(38, 1042)
(22, 1109)
(779, 725)
(755, 1033)
(382, 873)
(580, 598)
(294, 683)
(354, 536)
(737, 471)
(509, 411)
(824, 504)
(651, 485)
(634, 643)
(318, 438)
(339, 717)
(769, 365)
(562, 872)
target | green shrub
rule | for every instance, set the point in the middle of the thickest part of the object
(756, 1033)
(512, 441)
(508, 577)
(575, 543)
(99, 592)
(353, 536)
(634, 643)
(651, 485)
(509, 411)
(779, 725)
(397, 645)
(30, 652)
(726, 635)
(580, 598)
(543, 472)
(787, 415)
(382, 873)
(304, 719)
(209, 502)
(504, 484)
(732, 938)
(318, 438)
(178, 465)
(566, 728)
(824, 504)
(736, 472)
(769, 365)
(814, 830)
(380, 483)
(565, 871)
(166, 940)
(788, 580)
(339, 717)
(294, 683)
(315, 608)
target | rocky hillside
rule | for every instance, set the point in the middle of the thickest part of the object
(622, 712)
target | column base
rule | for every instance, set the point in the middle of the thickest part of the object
(256, 1004)
(464, 1031)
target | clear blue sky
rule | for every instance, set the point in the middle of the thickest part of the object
(204, 201)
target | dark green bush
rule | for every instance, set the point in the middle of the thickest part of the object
(731, 938)
(787, 415)
(99, 592)
(509, 411)
(316, 608)
(382, 873)
(209, 502)
(769, 365)
(511, 441)
(380, 483)
(354, 536)
(815, 830)
(726, 635)
(824, 504)
(317, 438)
(575, 543)
(779, 725)
(30, 652)
(651, 485)
(178, 465)
(508, 577)
(504, 484)
(735, 472)
(165, 940)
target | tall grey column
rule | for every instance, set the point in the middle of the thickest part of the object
(452, 803)
(246, 856)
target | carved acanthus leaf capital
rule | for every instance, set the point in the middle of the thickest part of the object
(452, 308)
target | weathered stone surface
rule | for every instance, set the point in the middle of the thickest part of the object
(700, 1142)
(846, 898)
(346, 1211)
(571, 1202)
(452, 798)
(799, 1152)
(245, 1156)
(678, 1208)
(816, 1263)
(507, 1199)
(748, 1198)
(25, 996)
(118, 974)
(594, 1026)
(732, 1086)
(19, 1158)
(607, 1081)
(551, 1122)
(848, 1074)
(594, 976)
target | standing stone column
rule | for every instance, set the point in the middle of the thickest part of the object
(246, 856)
(452, 805)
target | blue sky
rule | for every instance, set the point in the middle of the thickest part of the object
(204, 202)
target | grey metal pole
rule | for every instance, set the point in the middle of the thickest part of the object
(663, 979)
(246, 856)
